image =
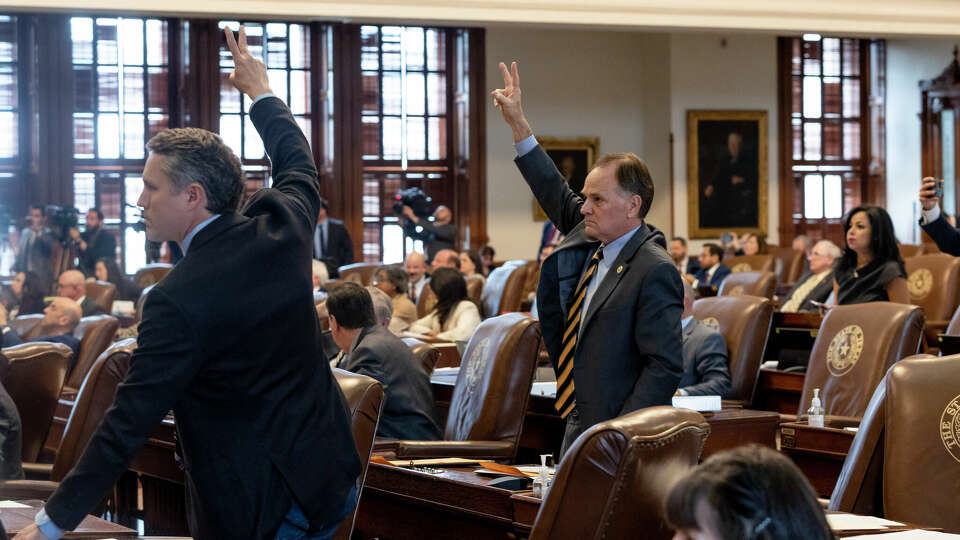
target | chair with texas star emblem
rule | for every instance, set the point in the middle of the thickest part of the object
(749, 283)
(934, 285)
(898, 467)
(751, 263)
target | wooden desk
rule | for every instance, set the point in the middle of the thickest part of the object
(819, 452)
(792, 336)
(543, 428)
(16, 519)
(778, 390)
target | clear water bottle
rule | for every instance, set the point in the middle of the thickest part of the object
(815, 412)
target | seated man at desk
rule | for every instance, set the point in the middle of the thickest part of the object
(370, 349)
(60, 319)
(712, 270)
(705, 371)
(817, 284)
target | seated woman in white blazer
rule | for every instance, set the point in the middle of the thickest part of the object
(454, 317)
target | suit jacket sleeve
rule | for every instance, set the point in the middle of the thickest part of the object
(710, 364)
(945, 235)
(346, 245)
(162, 367)
(658, 338)
(11, 338)
(364, 361)
(294, 172)
(550, 189)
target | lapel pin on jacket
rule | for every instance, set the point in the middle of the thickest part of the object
(620, 269)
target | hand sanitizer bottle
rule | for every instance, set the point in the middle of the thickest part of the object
(815, 412)
(542, 482)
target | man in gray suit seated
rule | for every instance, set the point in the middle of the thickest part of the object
(370, 349)
(705, 371)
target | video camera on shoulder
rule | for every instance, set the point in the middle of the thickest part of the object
(416, 199)
(61, 219)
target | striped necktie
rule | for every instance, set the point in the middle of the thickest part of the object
(566, 399)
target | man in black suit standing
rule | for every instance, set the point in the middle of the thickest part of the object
(94, 243)
(370, 349)
(609, 297)
(331, 241)
(264, 428)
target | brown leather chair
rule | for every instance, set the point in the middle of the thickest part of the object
(514, 290)
(426, 301)
(744, 322)
(27, 326)
(490, 397)
(95, 333)
(791, 263)
(908, 250)
(366, 399)
(150, 274)
(493, 291)
(94, 398)
(751, 263)
(934, 285)
(614, 480)
(34, 377)
(855, 346)
(749, 283)
(138, 315)
(425, 354)
(475, 285)
(531, 279)
(103, 293)
(904, 463)
(361, 273)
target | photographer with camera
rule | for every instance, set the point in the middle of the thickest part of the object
(36, 248)
(932, 221)
(437, 235)
(94, 243)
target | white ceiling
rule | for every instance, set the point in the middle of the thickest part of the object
(848, 17)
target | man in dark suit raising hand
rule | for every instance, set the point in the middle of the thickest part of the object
(609, 298)
(266, 440)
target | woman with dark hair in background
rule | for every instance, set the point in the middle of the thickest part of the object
(470, 264)
(454, 317)
(487, 254)
(748, 493)
(871, 269)
(106, 269)
(28, 293)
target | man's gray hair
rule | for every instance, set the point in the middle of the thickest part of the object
(197, 155)
(829, 248)
(382, 305)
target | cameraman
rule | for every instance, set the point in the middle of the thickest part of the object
(440, 234)
(94, 243)
(36, 248)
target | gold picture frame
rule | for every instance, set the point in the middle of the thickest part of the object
(727, 157)
(573, 158)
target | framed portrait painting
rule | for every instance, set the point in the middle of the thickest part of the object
(726, 172)
(573, 158)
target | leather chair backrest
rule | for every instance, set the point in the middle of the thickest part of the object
(103, 293)
(425, 354)
(932, 281)
(426, 301)
(614, 479)
(953, 329)
(475, 285)
(750, 263)
(493, 386)
(95, 333)
(34, 378)
(750, 283)
(361, 273)
(94, 398)
(531, 279)
(150, 274)
(791, 263)
(513, 289)
(855, 346)
(909, 250)
(365, 398)
(27, 326)
(744, 322)
(494, 290)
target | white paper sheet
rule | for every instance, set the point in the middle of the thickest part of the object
(905, 535)
(847, 522)
(13, 504)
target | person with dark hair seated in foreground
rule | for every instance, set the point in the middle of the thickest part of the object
(60, 319)
(751, 492)
(871, 269)
(454, 317)
(705, 371)
(370, 349)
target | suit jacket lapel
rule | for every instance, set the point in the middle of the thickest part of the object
(619, 268)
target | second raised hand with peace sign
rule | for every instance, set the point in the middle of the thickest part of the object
(507, 99)
(249, 74)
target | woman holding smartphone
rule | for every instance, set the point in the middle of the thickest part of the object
(871, 269)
